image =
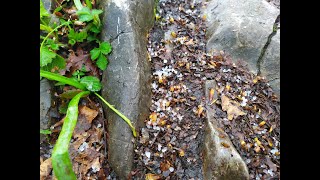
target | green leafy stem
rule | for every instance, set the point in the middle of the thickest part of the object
(72, 82)
(44, 40)
(61, 162)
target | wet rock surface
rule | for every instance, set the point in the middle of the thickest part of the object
(124, 82)
(220, 160)
(242, 28)
(270, 63)
(45, 105)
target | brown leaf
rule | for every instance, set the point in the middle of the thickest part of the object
(90, 114)
(225, 145)
(228, 105)
(78, 60)
(86, 115)
(45, 168)
(165, 165)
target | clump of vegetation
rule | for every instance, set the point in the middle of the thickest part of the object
(72, 55)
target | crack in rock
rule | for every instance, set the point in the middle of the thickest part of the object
(273, 33)
(117, 36)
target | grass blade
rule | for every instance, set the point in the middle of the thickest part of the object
(61, 162)
(57, 77)
(120, 114)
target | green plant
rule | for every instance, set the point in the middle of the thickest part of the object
(78, 71)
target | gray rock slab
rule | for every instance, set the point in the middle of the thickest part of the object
(220, 162)
(45, 105)
(240, 27)
(47, 4)
(126, 81)
(270, 63)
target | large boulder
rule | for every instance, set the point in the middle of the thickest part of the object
(220, 158)
(126, 81)
(242, 28)
(270, 63)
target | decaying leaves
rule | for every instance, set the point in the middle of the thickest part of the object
(45, 168)
(230, 106)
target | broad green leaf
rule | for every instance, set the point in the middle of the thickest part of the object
(92, 83)
(45, 131)
(95, 29)
(43, 11)
(95, 53)
(58, 63)
(96, 12)
(76, 36)
(61, 162)
(102, 62)
(46, 56)
(85, 14)
(105, 48)
(53, 45)
(69, 94)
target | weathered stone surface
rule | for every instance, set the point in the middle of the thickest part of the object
(270, 64)
(47, 4)
(45, 104)
(219, 161)
(127, 77)
(240, 27)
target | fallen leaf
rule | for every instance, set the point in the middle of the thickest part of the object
(211, 93)
(95, 165)
(200, 110)
(262, 123)
(86, 115)
(153, 117)
(173, 34)
(150, 176)
(228, 105)
(45, 168)
(90, 114)
(225, 145)
(165, 165)
(181, 152)
(171, 20)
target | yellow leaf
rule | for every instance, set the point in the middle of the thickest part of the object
(171, 88)
(211, 93)
(257, 141)
(243, 144)
(270, 130)
(204, 17)
(181, 153)
(262, 123)
(200, 110)
(157, 17)
(173, 34)
(171, 20)
(162, 122)
(228, 87)
(270, 143)
(153, 117)
(150, 176)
